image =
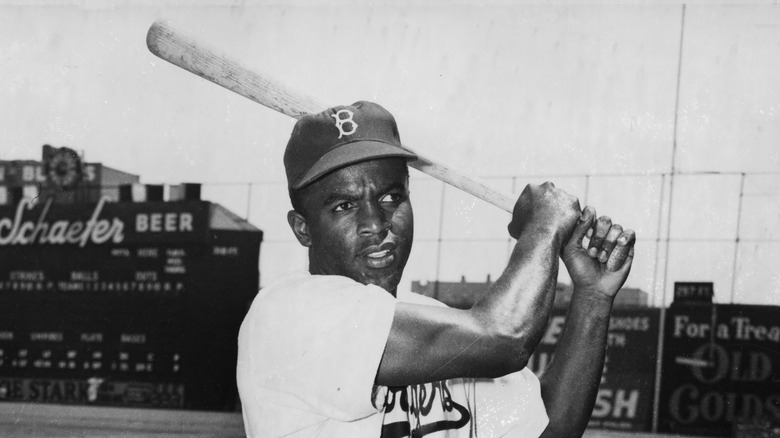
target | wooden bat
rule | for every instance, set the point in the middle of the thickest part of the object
(179, 48)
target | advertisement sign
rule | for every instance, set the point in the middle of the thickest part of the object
(721, 368)
(625, 396)
(32, 223)
(122, 304)
(693, 292)
(97, 391)
(24, 172)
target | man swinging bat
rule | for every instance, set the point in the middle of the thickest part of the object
(341, 351)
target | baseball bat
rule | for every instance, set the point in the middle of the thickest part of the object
(183, 50)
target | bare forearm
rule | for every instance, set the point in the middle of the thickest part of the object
(519, 303)
(570, 383)
(497, 335)
(493, 338)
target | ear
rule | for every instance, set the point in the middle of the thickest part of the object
(299, 227)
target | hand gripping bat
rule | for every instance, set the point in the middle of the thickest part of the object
(179, 48)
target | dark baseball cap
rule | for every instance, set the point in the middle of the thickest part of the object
(340, 136)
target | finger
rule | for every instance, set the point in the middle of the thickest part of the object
(610, 241)
(600, 230)
(623, 254)
(626, 268)
(583, 225)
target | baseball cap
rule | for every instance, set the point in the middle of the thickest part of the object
(340, 136)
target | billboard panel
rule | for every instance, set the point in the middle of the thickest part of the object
(721, 367)
(31, 223)
(625, 396)
(122, 304)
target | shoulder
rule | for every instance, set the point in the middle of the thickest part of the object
(302, 294)
(318, 287)
(299, 307)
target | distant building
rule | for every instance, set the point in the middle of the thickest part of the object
(463, 294)
(29, 179)
(627, 297)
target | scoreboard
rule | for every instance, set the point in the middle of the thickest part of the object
(124, 304)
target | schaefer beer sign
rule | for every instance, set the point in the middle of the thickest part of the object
(720, 368)
(31, 223)
(22, 229)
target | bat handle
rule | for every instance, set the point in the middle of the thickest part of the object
(464, 182)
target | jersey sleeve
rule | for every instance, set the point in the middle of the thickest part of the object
(316, 345)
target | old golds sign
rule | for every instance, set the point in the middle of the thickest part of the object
(721, 367)
(31, 223)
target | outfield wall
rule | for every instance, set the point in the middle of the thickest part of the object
(719, 369)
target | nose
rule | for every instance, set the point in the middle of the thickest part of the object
(372, 220)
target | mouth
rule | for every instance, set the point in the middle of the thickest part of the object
(379, 256)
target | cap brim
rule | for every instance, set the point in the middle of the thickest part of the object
(351, 153)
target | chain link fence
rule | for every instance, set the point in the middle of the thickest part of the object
(720, 227)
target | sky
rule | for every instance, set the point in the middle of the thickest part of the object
(511, 92)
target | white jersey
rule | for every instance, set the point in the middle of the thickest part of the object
(308, 353)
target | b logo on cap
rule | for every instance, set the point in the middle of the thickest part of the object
(341, 121)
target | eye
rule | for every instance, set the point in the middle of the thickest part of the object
(392, 198)
(344, 206)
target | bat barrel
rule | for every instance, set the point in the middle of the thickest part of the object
(178, 48)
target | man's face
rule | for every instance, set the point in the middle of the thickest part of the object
(359, 222)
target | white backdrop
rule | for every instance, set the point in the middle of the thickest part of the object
(624, 92)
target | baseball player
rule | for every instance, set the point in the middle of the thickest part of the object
(341, 351)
